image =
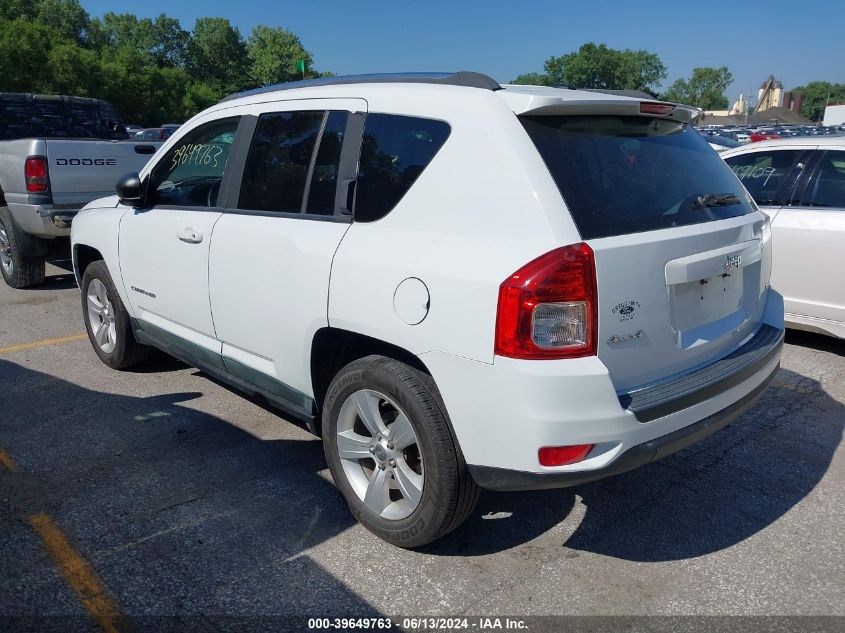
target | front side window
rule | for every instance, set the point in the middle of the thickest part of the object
(628, 174)
(394, 152)
(827, 185)
(768, 175)
(190, 173)
(279, 161)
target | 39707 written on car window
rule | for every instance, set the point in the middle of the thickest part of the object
(628, 174)
(190, 173)
(769, 175)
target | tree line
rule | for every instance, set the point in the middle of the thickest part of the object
(152, 70)
(155, 71)
(598, 66)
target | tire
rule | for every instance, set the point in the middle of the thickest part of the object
(111, 334)
(433, 463)
(18, 271)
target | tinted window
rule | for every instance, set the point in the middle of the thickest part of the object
(278, 162)
(191, 172)
(827, 184)
(14, 116)
(394, 152)
(769, 175)
(629, 174)
(321, 195)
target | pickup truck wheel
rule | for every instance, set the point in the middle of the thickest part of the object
(17, 271)
(391, 452)
(107, 321)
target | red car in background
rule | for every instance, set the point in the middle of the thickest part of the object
(763, 135)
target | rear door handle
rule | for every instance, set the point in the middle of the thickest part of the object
(190, 236)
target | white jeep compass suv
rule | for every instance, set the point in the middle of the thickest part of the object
(457, 284)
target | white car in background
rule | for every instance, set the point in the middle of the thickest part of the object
(800, 183)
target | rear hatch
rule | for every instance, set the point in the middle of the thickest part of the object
(679, 245)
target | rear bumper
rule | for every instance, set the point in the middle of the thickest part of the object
(502, 413)
(43, 220)
(639, 455)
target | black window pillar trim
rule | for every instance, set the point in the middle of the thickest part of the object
(309, 175)
(350, 154)
(230, 188)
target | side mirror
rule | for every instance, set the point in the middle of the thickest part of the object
(128, 189)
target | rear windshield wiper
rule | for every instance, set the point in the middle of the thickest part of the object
(715, 200)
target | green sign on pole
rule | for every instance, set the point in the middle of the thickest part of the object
(300, 67)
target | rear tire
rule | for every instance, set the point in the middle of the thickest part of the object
(18, 271)
(107, 321)
(401, 472)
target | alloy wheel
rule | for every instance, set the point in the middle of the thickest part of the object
(379, 453)
(6, 252)
(101, 316)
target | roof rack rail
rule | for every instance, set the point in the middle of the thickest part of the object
(462, 78)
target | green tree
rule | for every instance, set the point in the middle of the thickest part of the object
(23, 56)
(273, 55)
(598, 66)
(151, 70)
(532, 79)
(705, 89)
(65, 17)
(74, 70)
(217, 53)
(817, 94)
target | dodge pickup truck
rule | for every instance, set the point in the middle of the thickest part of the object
(57, 153)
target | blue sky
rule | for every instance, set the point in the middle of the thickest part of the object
(796, 41)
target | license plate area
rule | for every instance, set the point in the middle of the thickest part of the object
(705, 309)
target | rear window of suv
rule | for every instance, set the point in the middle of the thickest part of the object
(620, 174)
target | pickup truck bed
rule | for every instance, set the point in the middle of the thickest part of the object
(44, 182)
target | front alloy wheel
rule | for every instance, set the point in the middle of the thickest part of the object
(101, 316)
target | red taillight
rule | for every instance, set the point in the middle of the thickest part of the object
(562, 455)
(652, 107)
(548, 308)
(35, 173)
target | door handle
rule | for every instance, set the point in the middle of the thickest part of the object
(190, 236)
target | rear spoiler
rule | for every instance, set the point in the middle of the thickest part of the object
(592, 103)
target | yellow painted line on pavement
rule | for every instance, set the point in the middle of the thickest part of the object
(73, 567)
(78, 574)
(6, 461)
(42, 343)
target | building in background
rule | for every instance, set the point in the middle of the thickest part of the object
(834, 114)
(770, 94)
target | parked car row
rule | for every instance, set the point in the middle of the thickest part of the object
(756, 133)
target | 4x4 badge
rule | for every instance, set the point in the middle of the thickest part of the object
(627, 337)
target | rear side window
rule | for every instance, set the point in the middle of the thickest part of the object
(827, 185)
(321, 193)
(768, 175)
(620, 174)
(394, 152)
(279, 159)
